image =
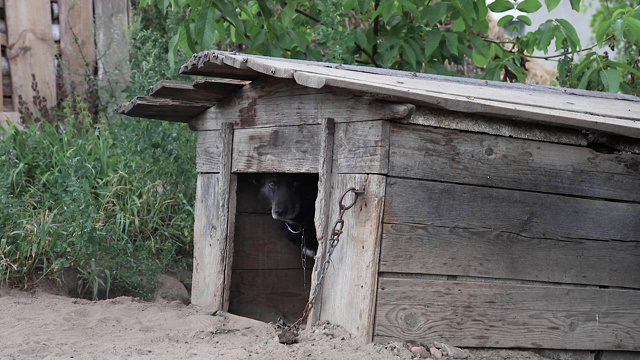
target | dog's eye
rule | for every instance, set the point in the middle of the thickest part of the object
(294, 184)
(273, 184)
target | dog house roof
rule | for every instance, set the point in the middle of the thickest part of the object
(179, 101)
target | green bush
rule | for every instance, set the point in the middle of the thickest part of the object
(113, 203)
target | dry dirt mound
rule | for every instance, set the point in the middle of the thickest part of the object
(38, 325)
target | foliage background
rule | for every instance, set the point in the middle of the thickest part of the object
(103, 203)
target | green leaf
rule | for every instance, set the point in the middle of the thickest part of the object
(408, 54)
(551, 4)
(205, 27)
(611, 80)
(602, 31)
(431, 43)
(436, 13)
(499, 6)
(451, 40)
(479, 45)
(633, 25)
(525, 19)
(505, 20)
(546, 32)
(570, 33)
(575, 5)
(349, 5)
(585, 78)
(529, 6)
(361, 38)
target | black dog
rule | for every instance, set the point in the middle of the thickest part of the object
(292, 199)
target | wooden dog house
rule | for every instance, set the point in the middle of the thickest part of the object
(493, 214)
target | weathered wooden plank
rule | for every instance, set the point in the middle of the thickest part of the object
(321, 218)
(460, 251)
(213, 92)
(216, 84)
(622, 121)
(495, 126)
(111, 24)
(77, 39)
(10, 118)
(320, 76)
(261, 244)
(162, 109)
(526, 214)
(530, 104)
(209, 63)
(480, 159)
(362, 147)
(349, 289)
(277, 149)
(227, 188)
(30, 50)
(267, 295)
(214, 221)
(208, 150)
(209, 244)
(471, 314)
(268, 102)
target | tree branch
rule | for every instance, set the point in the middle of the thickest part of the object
(369, 55)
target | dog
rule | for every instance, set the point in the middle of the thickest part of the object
(292, 198)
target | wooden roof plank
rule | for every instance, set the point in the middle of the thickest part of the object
(211, 93)
(533, 95)
(162, 109)
(210, 63)
(524, 112)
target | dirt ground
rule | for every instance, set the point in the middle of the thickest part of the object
(41, 325)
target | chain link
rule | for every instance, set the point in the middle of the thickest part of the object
(333, 243)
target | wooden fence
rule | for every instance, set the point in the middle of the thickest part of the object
(58, 43)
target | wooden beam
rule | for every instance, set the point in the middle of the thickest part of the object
(30, 50)
(111, 23)
(321, 220)
(481, 314)
(489, 253)
(210, 64)
(527, 214)
(77, 42)
(579, 110)
(270, 102)
(214, 216)
(361, 148)
(162, 109)
(277, 149)
(472, 158)
(349, 289)
(227, 207)
(179, 90)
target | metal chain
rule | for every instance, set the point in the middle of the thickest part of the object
(333, 243)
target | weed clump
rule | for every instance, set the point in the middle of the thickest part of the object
(112, 203)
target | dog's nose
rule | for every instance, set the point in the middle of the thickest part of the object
(279, 212)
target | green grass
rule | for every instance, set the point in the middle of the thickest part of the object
(112, 202)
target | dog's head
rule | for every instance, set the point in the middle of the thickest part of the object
(286, 194)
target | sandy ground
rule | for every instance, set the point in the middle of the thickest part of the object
(40, 325)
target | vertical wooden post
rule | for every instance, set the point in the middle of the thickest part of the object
(77, 49)
(228, 186)
(213, 231)
(112, 22)
(349, 289)
(322, 211)
(31, 49)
